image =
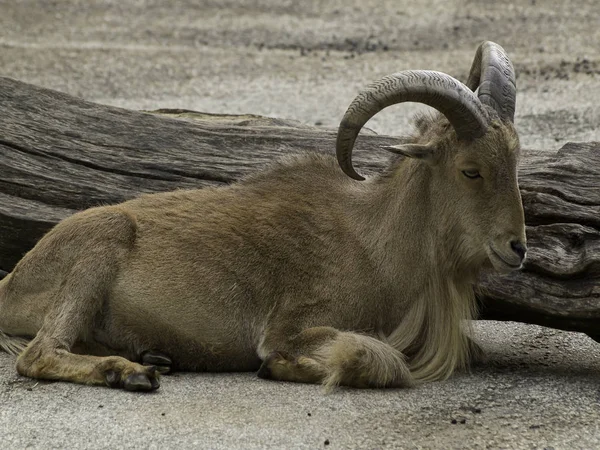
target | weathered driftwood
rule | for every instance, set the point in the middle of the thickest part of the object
(60, 154)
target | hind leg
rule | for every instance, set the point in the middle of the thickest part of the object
(43, 359)
(147, 358)
(88, 249)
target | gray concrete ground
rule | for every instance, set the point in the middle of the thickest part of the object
(305, 61)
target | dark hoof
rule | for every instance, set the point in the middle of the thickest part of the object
(138, 381)
(113, 379)
(152, 358)
(154, 383)
(264, 371)
(142, 381)
(265, 368)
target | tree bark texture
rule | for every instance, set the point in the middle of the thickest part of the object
(60, 154)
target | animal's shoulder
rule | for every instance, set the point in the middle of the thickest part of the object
(305, 167)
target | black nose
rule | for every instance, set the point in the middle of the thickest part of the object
(519, 249)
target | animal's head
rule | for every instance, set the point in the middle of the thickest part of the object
(470, 152)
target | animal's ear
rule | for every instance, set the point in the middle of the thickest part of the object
(421, 151)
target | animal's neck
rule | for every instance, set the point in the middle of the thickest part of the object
(405, 222)
(394, 218)
(415, 249)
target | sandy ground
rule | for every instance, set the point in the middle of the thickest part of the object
(306, 61)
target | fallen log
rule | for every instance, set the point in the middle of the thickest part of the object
(60, 154)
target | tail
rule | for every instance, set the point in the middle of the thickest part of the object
(11, 344)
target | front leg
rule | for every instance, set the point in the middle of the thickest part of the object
(332, 357)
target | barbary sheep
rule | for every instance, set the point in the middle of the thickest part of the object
(302, 271)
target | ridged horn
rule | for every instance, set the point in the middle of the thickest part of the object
(493, 74)
(438, 90)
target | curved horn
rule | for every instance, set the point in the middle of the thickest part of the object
(493, 73)
(438, 90)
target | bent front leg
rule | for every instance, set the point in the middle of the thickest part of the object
(332, 357)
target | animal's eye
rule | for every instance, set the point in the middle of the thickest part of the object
(471, 173)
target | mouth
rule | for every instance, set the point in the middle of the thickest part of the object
(500, 263)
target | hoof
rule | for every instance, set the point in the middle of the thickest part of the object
(265, 371)
(113, 379)
(152, 358)
(146, 380)
(141, 382)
